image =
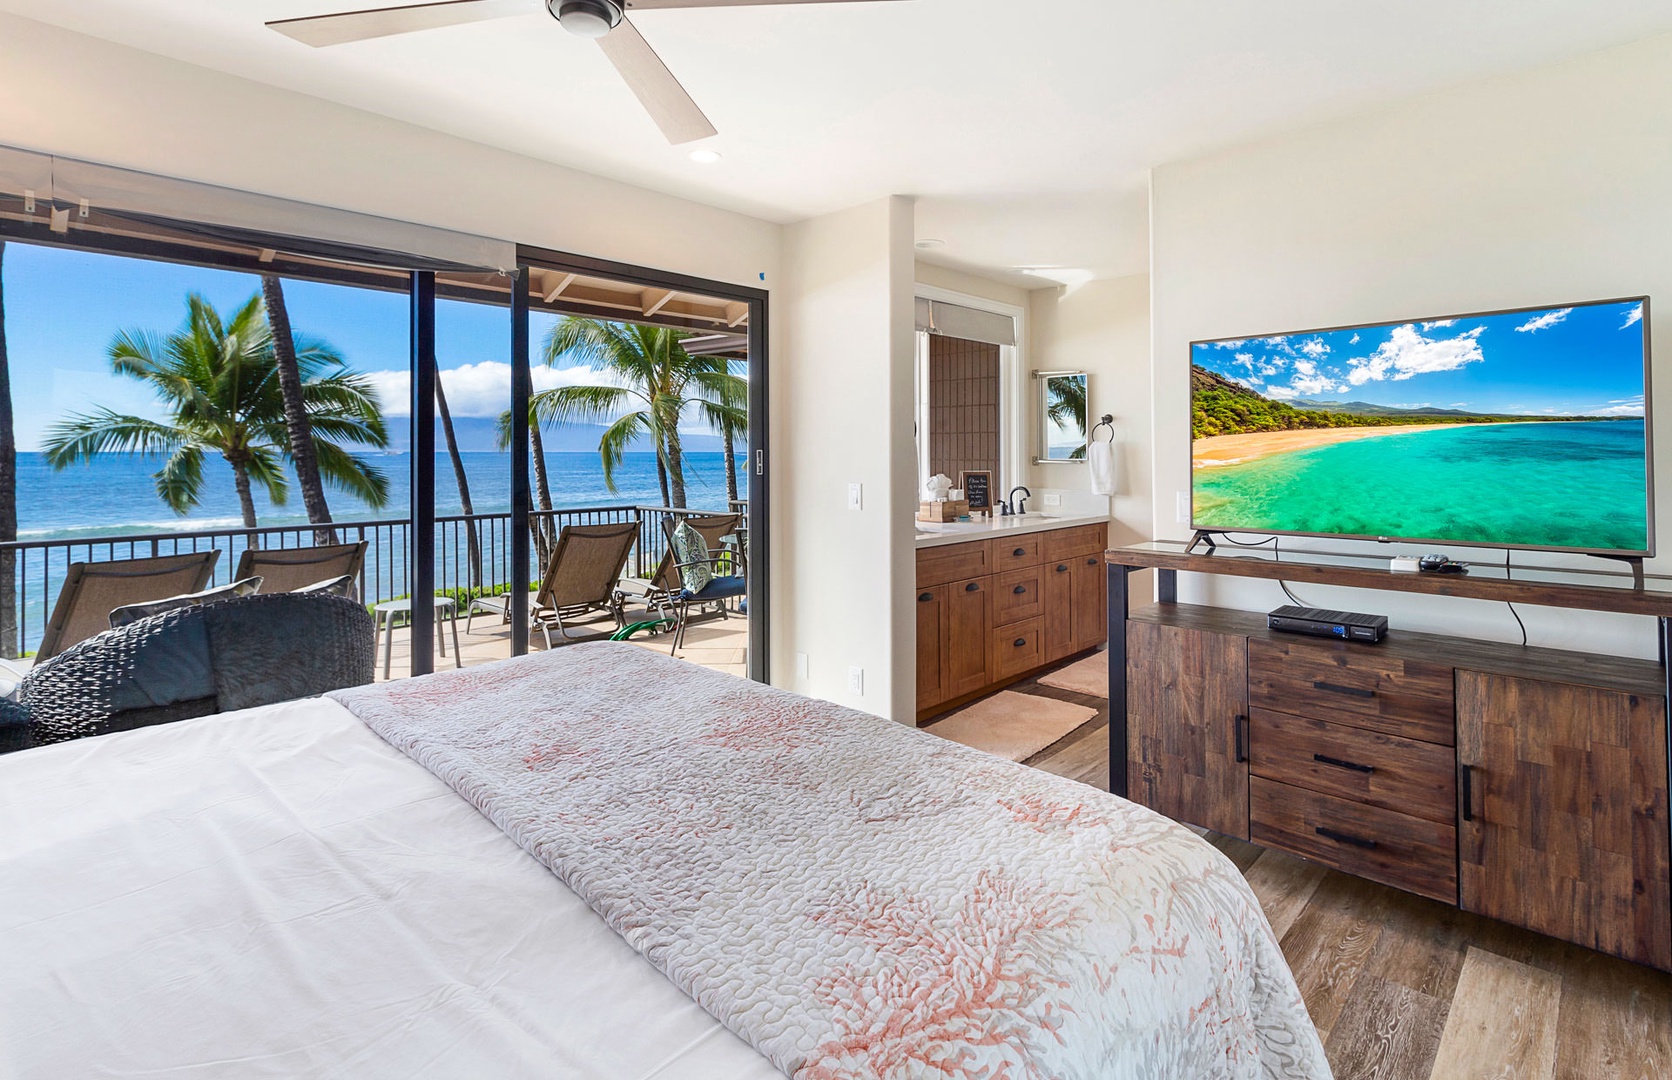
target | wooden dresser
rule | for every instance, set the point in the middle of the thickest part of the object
(993, 611)
(1525, 784)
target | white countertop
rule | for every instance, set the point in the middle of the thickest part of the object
(936, 534)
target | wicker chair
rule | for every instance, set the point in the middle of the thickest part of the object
(211, 658)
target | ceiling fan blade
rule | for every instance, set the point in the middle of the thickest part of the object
(650, 5)
(339, 29)
(657, 90)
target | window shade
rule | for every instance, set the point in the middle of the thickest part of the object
(284, 225)
(955, 320)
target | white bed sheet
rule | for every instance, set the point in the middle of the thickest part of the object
(279, 893)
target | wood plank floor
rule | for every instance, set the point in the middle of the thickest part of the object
(1403, 988)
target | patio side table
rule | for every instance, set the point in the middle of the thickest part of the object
(387, 612)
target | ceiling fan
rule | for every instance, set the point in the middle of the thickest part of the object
(604, 21)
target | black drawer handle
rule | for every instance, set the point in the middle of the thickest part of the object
(1092, 562)
(1468, 779)
(1335, 688)
(924, 598)
(1062, 568)
(1338, 763)
(1020, 642)
(1019, 552)
(973, 587)
(1019, 590)
(1343, 838)
(1242, 739)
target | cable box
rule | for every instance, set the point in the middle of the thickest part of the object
(1317, 622)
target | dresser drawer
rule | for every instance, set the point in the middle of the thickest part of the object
(1354, 684)
(1079, 540)
(1018, 595)
(1415, 778)
(1395, 849)
(1017, 648)
(953, 562)
(1014, 553)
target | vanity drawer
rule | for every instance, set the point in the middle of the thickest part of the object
(1018, 595)
(952, 562)
(1395, 849)
(1017, 648)
(1354, 684)
(1415, 778)
(1014, 553)
(1079, 540)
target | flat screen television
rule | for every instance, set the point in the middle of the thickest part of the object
(1525, 429)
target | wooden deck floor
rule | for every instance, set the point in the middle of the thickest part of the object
(1402, 988)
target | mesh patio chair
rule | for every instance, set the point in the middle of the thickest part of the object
(289, 569)
(92, 590)
(657, 593)
(728, 582)
(580, 579)
(195, 661)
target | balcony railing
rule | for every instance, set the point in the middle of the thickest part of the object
(40, 565)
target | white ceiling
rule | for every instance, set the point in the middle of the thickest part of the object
(1025, 128)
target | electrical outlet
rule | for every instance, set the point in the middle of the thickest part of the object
(1183, 507)
(1053, 498)
(856, 681)
(802, 668)
(856, 496)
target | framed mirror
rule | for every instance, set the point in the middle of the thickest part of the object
(1062, 416)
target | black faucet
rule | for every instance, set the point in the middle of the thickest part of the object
(1013, 508)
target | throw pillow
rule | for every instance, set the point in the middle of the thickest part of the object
(337, 586)
(690, 553)
(132, 613)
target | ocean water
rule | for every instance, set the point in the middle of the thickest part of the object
(1576, 484)
(114, 494)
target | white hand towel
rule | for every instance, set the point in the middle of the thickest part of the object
(1102, 458)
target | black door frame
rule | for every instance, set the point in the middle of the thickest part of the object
(758, 461)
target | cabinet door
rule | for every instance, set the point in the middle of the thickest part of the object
(969, 629)
(1563, 803)
(932, 675)
(1058, 586)
(1187, 705)
(1091, 602)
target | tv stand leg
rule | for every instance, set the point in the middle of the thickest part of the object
(1636, 564)
(1119, 582)
(1202, 537)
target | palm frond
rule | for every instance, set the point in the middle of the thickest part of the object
(180, 481)
(352, 474)
(266, 468)
(80, 437)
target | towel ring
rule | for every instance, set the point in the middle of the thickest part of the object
(1107, 421)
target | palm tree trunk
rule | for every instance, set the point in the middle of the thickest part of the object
(544, 534)
(727, 434)
(246, 501)
(662, 472)
(676, 466)
(302, 452)
(10, 646)
(475, 544)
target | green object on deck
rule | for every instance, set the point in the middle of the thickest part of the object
(649, 626)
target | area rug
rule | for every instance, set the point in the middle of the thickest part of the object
(1012, 725)
(1088, 676)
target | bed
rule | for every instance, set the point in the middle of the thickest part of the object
(539, 868)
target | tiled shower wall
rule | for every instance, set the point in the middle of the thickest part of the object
(963, 406)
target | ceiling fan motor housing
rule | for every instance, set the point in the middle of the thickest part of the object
(586, 18)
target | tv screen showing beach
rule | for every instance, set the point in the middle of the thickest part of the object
(1522, 429)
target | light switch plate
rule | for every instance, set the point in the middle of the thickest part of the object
(856, 681)
(856, 496)
(1183, 507)
(1053, 498)
(802, 667)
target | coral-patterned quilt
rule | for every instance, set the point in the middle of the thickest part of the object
(854, 898)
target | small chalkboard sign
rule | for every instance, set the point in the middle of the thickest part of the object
(978, 490)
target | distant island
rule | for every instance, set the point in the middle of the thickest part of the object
(1221, 406)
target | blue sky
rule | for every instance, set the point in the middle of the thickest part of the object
(1579, 361)
(64, 306)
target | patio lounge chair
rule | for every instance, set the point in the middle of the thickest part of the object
(92, 590)
(580, 579)
(657, 593)
(289, 569)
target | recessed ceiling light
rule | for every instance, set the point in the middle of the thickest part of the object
(930, 242)
(704, 157)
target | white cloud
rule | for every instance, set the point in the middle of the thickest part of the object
(1355, 341)
(1543, 322)
(1315, 348)
(1281, 393)
(1245, 359)
(1268, 368)
(1619, 410)
(1407, 353)
(1438, 324)
(1239, 343)
(1305, 368)
(1343, 389)
(1633, 317)
(478, 390)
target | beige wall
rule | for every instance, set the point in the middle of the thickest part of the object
(970, 285)
(1539, 188)
(842, 415)
(1103, 329)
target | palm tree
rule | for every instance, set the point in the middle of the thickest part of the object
(1067, 409)
(657, 380)
(730, 432)
(475, 545)
(299, 430)
(218, 381)
(9, 643)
